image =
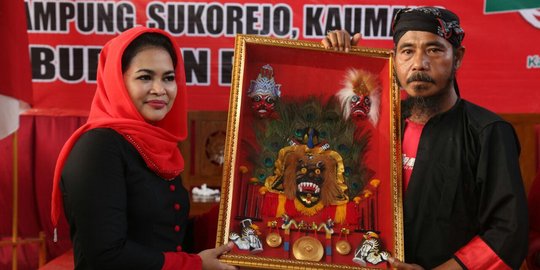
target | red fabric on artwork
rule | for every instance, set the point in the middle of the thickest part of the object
(271, 202)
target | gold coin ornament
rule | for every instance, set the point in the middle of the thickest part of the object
(308, 248)
(343, 247)
(273, 239)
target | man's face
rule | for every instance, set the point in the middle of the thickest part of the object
(425, 63)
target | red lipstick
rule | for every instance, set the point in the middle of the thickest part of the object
(157, 104)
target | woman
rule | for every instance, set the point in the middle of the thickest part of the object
(118, 175)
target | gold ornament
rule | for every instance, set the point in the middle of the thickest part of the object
(308, 248)
(343, 247)
(273, 239)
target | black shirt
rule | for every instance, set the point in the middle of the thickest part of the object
(121, 214)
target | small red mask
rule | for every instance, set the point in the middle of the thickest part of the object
(360, 106)
(263, 105)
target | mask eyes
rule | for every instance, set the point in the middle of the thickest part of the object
(317, 171)
(256, 98)
(355, 98)
(270, 100)
(303, 170)
(367, 101)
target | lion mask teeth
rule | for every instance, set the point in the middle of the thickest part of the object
(309, 187)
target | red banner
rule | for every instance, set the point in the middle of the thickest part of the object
(501, 69)
(14, 76)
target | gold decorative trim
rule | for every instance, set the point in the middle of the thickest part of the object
(396, 166)
(305, 44)
(273, 263)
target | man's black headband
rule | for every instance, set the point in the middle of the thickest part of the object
(438, 21)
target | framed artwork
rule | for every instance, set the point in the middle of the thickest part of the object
(312, 166)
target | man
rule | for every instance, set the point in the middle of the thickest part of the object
(464, 202)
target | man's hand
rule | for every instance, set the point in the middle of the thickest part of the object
(340, 40)
(210, 258)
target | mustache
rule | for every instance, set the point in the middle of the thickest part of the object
(420, 76)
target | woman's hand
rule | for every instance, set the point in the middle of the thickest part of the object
(340, 40)
(210, 258)
(448, 265)
(395, 263)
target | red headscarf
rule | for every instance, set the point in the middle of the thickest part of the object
(112, 108)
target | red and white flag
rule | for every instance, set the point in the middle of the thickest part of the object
(15, 67)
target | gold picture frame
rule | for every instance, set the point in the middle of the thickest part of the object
(312, 163)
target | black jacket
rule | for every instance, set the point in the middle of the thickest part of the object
(121, 214)
(466, 181)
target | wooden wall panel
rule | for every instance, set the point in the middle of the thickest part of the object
(526, 126)
(203, 149)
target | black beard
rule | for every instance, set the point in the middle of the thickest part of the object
(424, 106)
(430, 105)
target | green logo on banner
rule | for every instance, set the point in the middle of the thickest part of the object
(533, 61)
(509, 5)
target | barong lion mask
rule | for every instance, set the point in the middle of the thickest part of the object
(313, 177)
(310, 177)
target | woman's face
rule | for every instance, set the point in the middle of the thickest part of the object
(151, 83)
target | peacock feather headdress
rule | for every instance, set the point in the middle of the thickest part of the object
(304, 130)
